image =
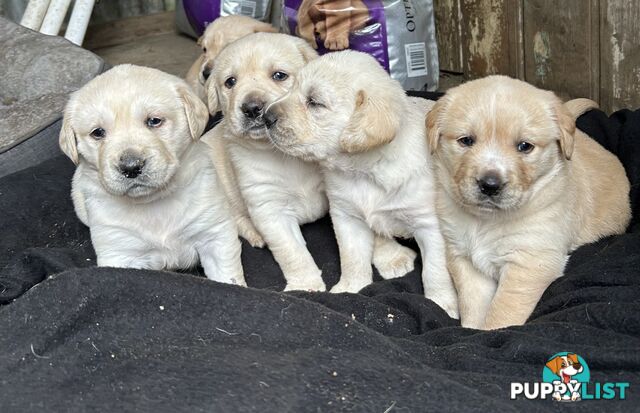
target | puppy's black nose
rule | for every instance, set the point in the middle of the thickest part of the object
(270, 118)
(130, 165)
(252, 109)
(206, 72)
(490, 184)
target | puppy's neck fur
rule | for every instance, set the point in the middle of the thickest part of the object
(392, 164)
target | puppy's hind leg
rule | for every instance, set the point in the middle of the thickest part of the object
(355, 243)
(392, 259)
(220, 255)
(436, 280)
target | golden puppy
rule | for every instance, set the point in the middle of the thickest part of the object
(144, 185)
(276, 192)
(332, 20)
(347, 114)
(218, 34)
(519, 188)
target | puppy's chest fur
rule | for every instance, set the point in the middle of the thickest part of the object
(487, 245)
(492, 243)
(273, 180)
(390, 187)
(390, 209)
(163, 232)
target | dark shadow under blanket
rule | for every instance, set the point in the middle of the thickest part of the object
(77, 338)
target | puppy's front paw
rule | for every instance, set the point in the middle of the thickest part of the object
(315, 284)
(394, 260)
(448, 302)
(349, 286)
(337, 41)
(239, 280)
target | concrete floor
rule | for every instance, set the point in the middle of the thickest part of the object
(170, 52)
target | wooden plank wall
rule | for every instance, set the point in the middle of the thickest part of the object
(473, 36)
(620, 54)
(577, 48)
(560, 46)
(489, 37)
(447, 16)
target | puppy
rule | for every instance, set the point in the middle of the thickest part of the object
(566, 367)
(332, 20)
(278, 192)
(346, 113)
(519, 188)
(144, 184)
(218, 34)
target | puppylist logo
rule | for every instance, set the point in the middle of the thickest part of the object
(566, 378)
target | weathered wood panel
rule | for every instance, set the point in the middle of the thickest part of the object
(620, 54)
(561, 46)
(447, 18)
(491, 37)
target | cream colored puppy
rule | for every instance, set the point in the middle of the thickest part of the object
(217, 35)
(144, 184)
(346, 113)
(519, 189)
(278, 192)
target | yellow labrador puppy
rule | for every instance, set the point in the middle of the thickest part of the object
(217, 35)
(278, 193)
(519, 187)
(144, 184)
(346, 113)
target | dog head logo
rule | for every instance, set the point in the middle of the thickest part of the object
(566, 371)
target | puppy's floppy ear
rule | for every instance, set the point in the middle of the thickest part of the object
(375, 120)
(68, 141)
(567, 124)
(307, 52)
(555, 364)
(213, 101)
(432, 125)
(195, 110)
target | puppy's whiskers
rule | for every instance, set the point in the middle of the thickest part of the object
(278, 100)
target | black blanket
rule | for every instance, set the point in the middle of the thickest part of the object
(74, 337)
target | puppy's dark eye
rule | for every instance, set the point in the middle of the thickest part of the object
(312, 103)
(525, 147)
(98, 133)
(204, 49)
(466, 141)
(279, 76)
(154, 122)
(230, 82)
